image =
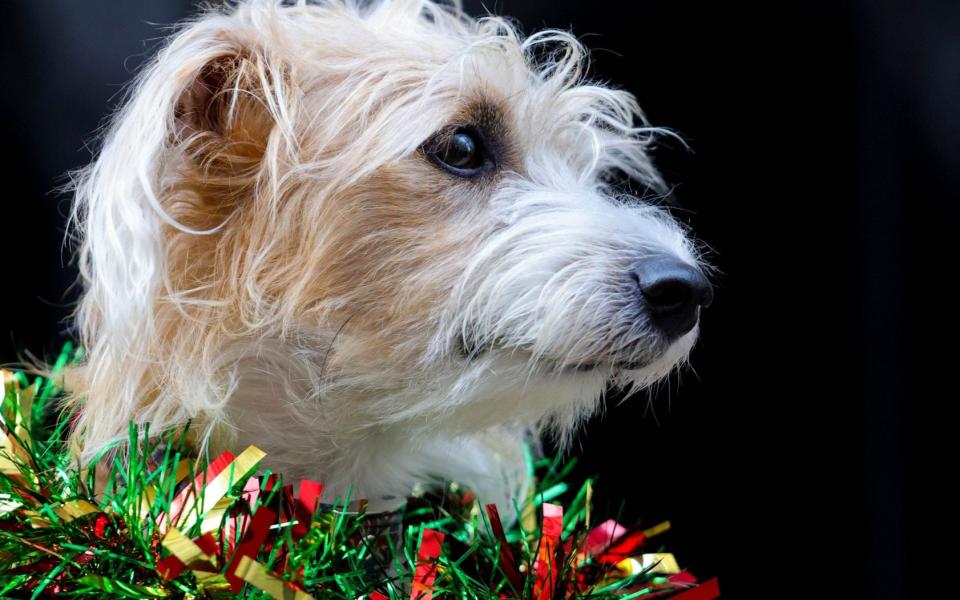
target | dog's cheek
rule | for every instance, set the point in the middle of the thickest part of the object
(393, 248)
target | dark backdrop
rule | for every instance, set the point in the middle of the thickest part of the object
(825, 142)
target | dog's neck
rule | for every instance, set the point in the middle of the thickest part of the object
(376, 439)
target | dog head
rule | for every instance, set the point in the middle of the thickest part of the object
(401, 205)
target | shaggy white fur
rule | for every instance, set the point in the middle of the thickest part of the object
(268, 249)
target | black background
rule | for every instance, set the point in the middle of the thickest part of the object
(825, 144)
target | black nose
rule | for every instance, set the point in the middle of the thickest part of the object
(673, 292)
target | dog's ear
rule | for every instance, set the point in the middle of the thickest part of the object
(225, 115)
(184, 150)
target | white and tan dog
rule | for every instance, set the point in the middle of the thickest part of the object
(381, 240)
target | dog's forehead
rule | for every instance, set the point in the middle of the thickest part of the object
(408, 78)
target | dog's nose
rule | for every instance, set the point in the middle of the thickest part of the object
(673, 292)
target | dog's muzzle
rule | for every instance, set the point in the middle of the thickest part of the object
(672, 292)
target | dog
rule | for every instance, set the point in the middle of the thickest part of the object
(382, 240)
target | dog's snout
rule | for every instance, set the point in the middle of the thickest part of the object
(673, 293)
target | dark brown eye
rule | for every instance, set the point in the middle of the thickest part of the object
(461, 153)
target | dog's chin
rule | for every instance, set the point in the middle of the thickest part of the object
(588, 366)
(615, 366)
(673, 355)
(646, 365)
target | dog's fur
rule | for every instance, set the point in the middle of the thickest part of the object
(268, 251)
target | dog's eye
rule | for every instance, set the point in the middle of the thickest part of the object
(462, 153)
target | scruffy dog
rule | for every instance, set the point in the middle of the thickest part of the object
(383, 241)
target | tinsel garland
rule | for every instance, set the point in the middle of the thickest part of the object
(166, 524)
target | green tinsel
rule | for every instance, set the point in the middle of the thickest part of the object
(60, 534)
